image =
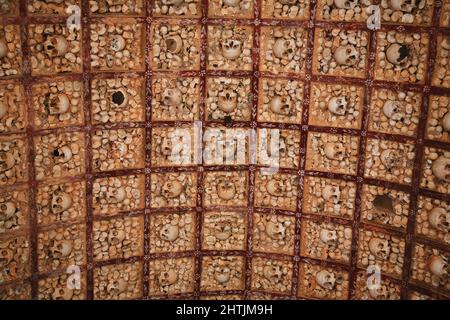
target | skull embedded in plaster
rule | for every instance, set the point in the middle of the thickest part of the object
(61, 249)
(226, 190)
(380, 248)
(445, 122)
(287, 1)
(117, 287)
(275, 188)
(172, 97)
(171, 189)
(227, 101)
(280, 105)
(169, 232)
(63, 154)
(326, 279)
(117, 43)
(7, 210)
(166, 146)
(174, 44)
(167, 278)
(62, 294)
(338, 105)
(61, 201)
(116, 237)
(397, 53)
(222, 230)
(380, 292)
(441, 168)
(334, 151)
(172, 2)
(276, 230)
(346, 55)
(119, 98)
(331, 193)
(7, 161)
(346, 4)
(116, 195)
(438, 266)
(3, 49)
(439, 219)
(273, 273)
(231, 49)
(384, 208)
(284, 48)
(56, 46)
(231, 3)
(390, 158)
(57, 103)
(394, 110)
(222, 275)
(3, 108)
(329, 237)
(407, 6)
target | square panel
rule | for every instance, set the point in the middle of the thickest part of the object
(326, 241)
(13, 111)
(118, 149)
(117, 45)
(386, 290)
(348, 11)
(273, 233)
(175, 47)
(278, 191)
(272, 275)
(173, 189)
(403, 12)
(171, 276)
(108, 8)
(340, 52)
(433, 219)
(175, 98)
(222, 230)
(329, 197)
(336, 105)
(11, 51)
(225, 188)
(173, 146)
(226, 146)
(117, 100)
(15, 258)
(402, 57)
(16, 291)
(62, 287)
(283, 49)
(231, 9)
(285, 9)
(222, 273)
(441, 74)
(172, 232)
(13, 159)
(61, 202)
(14, 206)
(230, 47)
(118, 238)
(287, 144)
(335, 153)
(177, 8)
(113, 195)
(438, 122)
(435, 170)
(47, 8)
(57, 104)
(59, 155)
(389, 160)
(54, 49)
(280, 100)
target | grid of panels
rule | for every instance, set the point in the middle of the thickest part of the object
(90, 73)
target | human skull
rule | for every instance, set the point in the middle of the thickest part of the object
(445, 122)
(222, 230)
(169, 232)
(406, 5)
(439, 219)
(62, 294)
(7, 161)
(172, 97)
(116, 195)
(231, 49)
(441, 168)
(334, 151)
(116, 237)
(338, 105)
(117, 287)
(346, 55)
(3, 108)
(56, 46)
(331, 193)
(119, 98)
(117, 43)
(280, 105)
(438, 266)
(393, 110)
(397, 53)
(231, 3)
(390, 158)
(222, 275)
(3, 49)
(380, 248)
(174, 44)
(61, 249)
(7, 210)
(172, 2)
(275, 188)
(166, 146)
(384, 208)
(287, 1)
(326, 279)
(227, 101)
(167, 278)
(63, 154)
(6, 256)
(273, 273)
(380, 292)
(276, 230)
(61, 201)
(284, 48)
(346, 4)
(57, 103)
(171, 189)
(329, 237)
(226, 190)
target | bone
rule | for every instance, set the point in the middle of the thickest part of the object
(10, 48)
(172, 232)
(118, 282)
(222, 273)
(171, 276)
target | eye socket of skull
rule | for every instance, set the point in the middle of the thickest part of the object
(63, 154)
(119, 98)
(174, 44)
(3, 49)
(441, 168)
(7, 160)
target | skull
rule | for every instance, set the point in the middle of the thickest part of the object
(346, 55)
(438, 266)
(384, 207)
(390, 158)
(62, 294)
(273, 273)
(63, 154)
(227, 101)
(326, 279)
(7, 161)
(166, 146)
(439, 219)
(174, 44)
(334, 151)
(280, 105)
(172, 2)
(172, 97)
(171, 189)
(393, 110)
(441, 168)
(61, 201)
(346, 4)
(284, 49)
(57, 103)
(226, 189)
(331, 193)
(119, 98)
(56, 46)
(116, 195)
(275, 188)
(380, 248)
(169, 232)
(287, 1)
(338, 105)
(405, 5)
(397, 53)
(276, 230)
(222, 275)
(61, 249)
(231, 49)
(222, 230)
(116, 236)
(7, 210)
(3, 108)
(329, 237)
(380, 293)
(3, 49)
(6, 256)
(117, 43)
(445, 122)
(117, 287)
(167, 278)
(231, 3)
